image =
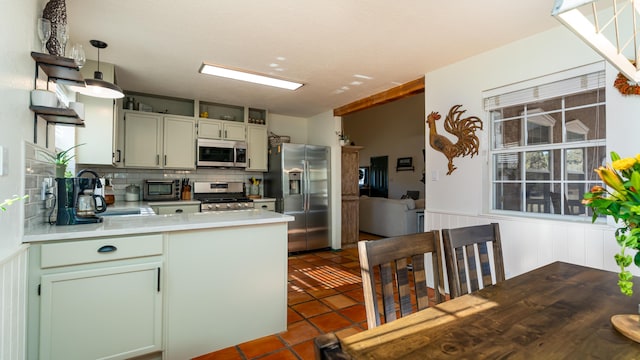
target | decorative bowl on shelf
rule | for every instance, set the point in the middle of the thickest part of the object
(46, 98)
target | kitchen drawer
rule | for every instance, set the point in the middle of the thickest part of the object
(176, 209)
(265, 205)
(106, 249)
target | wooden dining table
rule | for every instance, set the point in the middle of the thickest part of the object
(558, 311)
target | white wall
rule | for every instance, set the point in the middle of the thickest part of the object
(18, 38)
(463, 198)
(292, 126)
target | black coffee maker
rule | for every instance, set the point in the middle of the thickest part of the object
(77, 203)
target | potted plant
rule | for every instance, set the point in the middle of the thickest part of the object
(344, 139)
(61, 160)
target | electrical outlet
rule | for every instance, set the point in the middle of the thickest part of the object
(46, 192)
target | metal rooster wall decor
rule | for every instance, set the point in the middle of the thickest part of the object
(463, 128)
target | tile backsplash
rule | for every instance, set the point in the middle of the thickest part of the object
(123, 177)
(38, 169)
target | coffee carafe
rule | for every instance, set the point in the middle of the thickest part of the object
(77, 202)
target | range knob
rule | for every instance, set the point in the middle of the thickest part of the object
(228, 206)
(209, 206)
(217, 206)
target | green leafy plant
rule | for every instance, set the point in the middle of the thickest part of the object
(7, 202)
(342, 136)
(622, 202)
(63, 157)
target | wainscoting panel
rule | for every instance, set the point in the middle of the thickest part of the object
(531, 243)
(13, 274)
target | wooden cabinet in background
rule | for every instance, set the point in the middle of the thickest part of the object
(350, 195)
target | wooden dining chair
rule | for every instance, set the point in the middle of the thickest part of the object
(387, 260)
(466, 241)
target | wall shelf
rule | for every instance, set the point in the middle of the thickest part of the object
(57, 115)
(60, 70)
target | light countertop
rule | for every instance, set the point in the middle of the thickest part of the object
(142, 224)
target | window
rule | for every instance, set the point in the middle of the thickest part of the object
(546, 140)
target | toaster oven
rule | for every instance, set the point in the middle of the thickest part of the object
(161, 190)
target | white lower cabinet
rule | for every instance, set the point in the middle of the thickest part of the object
(110, 313)
(225, 286)
(107, 306)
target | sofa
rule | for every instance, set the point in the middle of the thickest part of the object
(389, 217)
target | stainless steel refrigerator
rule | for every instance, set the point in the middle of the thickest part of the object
(298, 179)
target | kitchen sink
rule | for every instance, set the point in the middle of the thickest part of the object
(127, 211)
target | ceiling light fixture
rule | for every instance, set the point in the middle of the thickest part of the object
(97, 87)
(242, 75)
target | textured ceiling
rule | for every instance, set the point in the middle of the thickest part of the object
(342, 50)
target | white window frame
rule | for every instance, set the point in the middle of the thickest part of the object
(528, 92)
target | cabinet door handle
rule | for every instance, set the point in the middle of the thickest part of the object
(219, 133)
(107, 249)
(225, 134)
(179, 211)
(158, 286)
(264, 206)
(165, 160)
(157, 159)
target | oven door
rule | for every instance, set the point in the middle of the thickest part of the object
(216, 153)
(155, 190)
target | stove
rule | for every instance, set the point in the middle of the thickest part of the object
(221, 196)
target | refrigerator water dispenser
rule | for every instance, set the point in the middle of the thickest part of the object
(294, 182)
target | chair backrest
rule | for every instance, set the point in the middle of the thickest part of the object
(386, 260)
(465, 240)
(555, 202)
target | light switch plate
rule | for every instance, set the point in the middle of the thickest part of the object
(4, 161)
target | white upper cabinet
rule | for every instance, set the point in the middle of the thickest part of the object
(256, 148)
(219, 129)
(100, 116)
(159, 141)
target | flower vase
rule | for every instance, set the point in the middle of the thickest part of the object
(61, 169)
(343, 142)
(254, 190)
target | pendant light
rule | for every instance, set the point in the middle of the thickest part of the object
(97, 87)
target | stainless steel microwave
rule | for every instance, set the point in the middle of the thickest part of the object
(161, 190)
(221, 153)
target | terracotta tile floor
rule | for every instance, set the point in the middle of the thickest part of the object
(325, 295)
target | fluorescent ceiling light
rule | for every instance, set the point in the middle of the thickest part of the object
(247, 76)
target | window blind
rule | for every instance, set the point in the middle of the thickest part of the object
(572, 85)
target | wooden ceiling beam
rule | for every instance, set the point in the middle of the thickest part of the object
(396, 93)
